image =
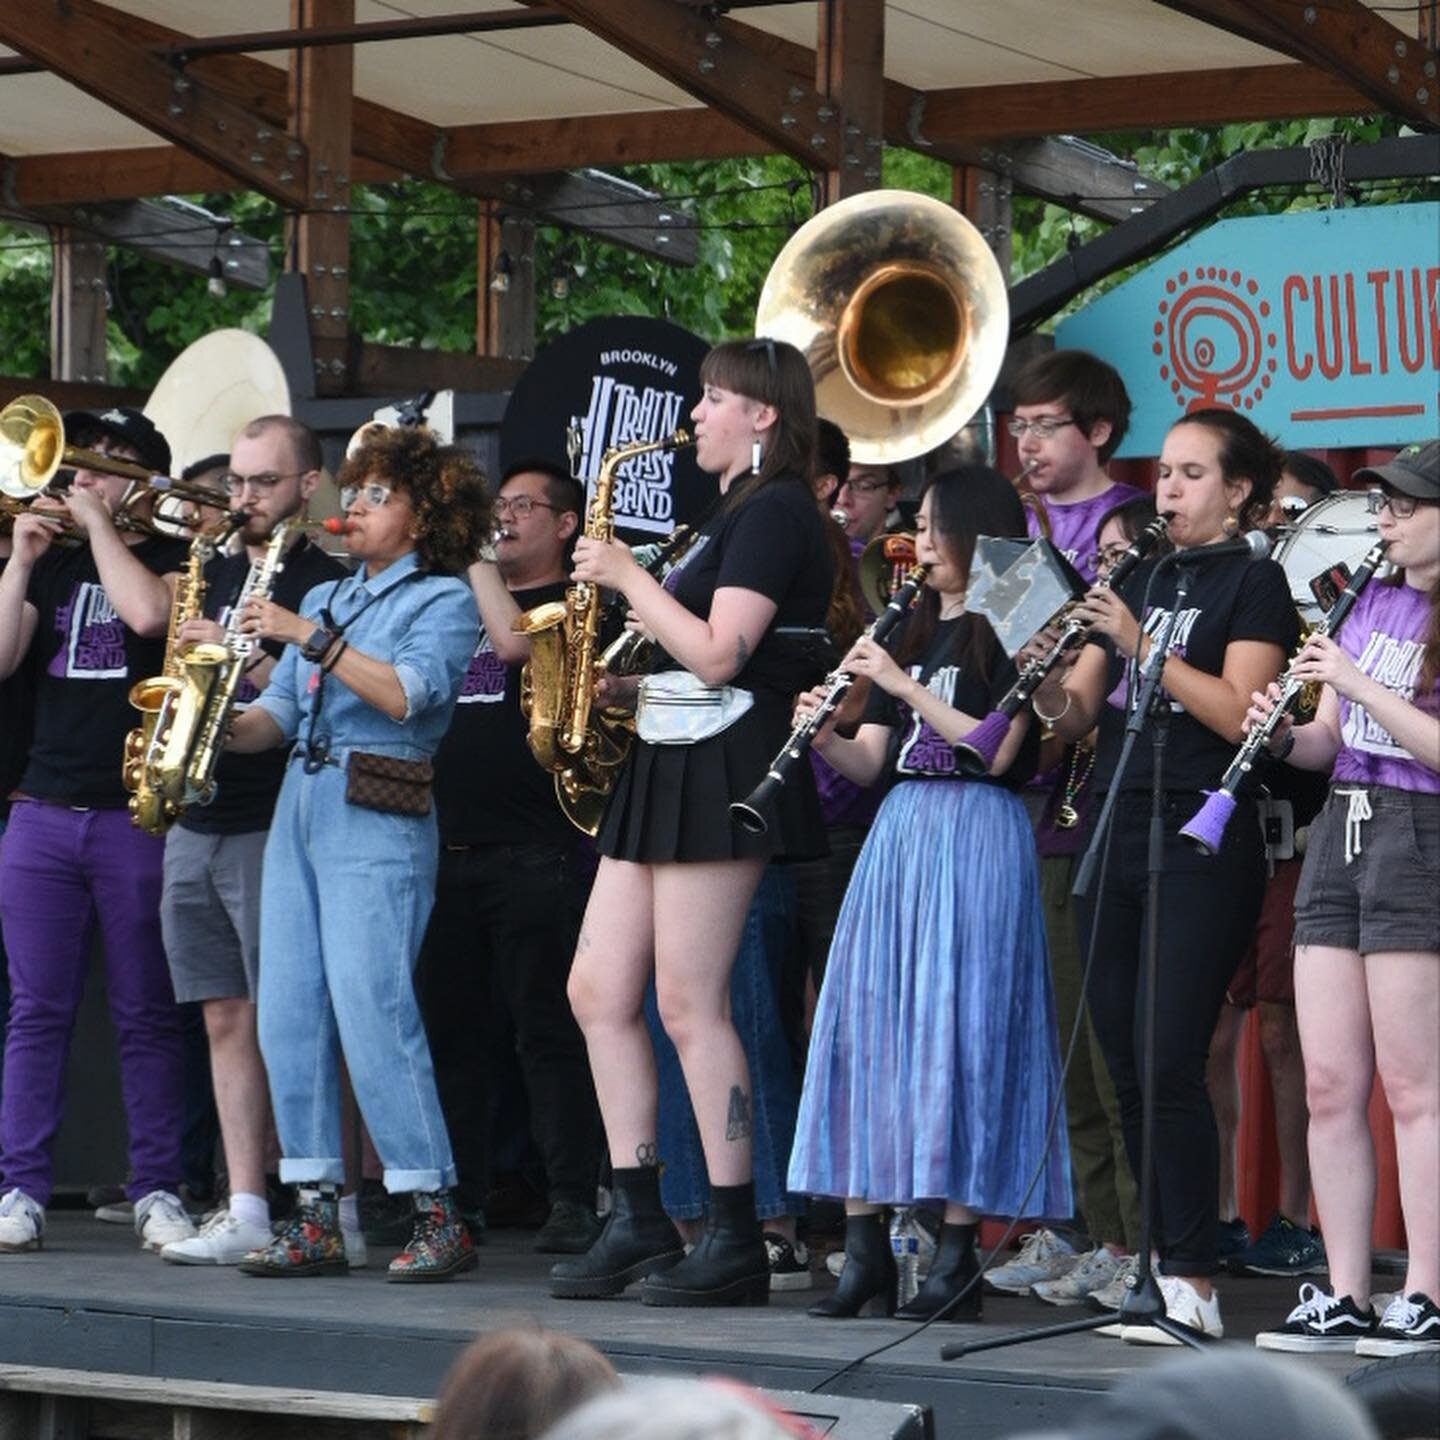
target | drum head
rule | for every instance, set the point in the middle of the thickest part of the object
(1336, 530)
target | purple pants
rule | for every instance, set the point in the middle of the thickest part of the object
(61, 872)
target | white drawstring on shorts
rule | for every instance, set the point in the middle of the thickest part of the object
(1358, 813)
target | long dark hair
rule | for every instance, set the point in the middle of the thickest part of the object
(1246, 453)
(773, 373)
(966, 502)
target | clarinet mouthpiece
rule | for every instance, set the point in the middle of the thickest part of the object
(1205, 829)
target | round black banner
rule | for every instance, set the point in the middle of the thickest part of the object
(622, 379)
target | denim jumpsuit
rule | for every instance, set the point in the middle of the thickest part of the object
(347, 891)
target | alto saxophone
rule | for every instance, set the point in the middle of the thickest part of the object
(164, 697)
(582, 745)
(198, 733)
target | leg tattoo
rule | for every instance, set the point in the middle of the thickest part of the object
(737, 1117)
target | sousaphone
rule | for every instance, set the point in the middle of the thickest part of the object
(898, 304)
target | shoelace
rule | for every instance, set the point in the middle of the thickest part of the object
(1400, 1314)
(1356, 815)
(1315, 1305)
(1034, 1246)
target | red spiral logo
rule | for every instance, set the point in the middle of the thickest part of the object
(1212, 340)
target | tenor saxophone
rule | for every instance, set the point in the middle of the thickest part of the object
(581, 744)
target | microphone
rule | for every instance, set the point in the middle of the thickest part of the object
(338, 525)
(1254, 545)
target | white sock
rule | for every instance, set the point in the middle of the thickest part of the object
(250, 1209)
(350, 1212)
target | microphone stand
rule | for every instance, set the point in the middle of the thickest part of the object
(1144, 1305)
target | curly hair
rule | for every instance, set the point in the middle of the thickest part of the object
(445, 484)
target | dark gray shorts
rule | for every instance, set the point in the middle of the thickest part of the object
(210, 913)
(1387, 897)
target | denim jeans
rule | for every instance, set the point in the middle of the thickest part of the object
(345, 896)
(62, 872)
(755, 1011)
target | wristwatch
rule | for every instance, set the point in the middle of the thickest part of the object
(319, 642)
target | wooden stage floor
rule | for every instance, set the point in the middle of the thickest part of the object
(91, 1300)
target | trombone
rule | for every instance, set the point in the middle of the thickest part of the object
(33, 450)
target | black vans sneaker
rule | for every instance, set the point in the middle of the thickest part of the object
(1320, 1321)
(789, 1264)
(1409, 1326)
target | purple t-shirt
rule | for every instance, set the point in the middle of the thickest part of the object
(1385, 636)
(1073, 527)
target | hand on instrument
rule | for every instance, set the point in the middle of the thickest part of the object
(87, 508)
(617, 692)
(806, 705)
(1107, 614)
(1260, 708)
(265, 620)
(874, 661)
(32, 537)
(198, 632)
(1321, 659)
(604, 562)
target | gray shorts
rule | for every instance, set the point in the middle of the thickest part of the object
(1387, 895)
(210, 913)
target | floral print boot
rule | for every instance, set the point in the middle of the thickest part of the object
(309, 1242)
(440, 1245)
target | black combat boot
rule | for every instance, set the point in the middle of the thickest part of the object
(954, 1267)
(868, 1281)
(638, 1239)
(730, 1265)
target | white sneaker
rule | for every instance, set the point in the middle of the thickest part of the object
(1044, 1255)
(1092, 1272)
(22, 1223)
(357, 1257)
(160, 1219)
(1183, 1304)
(222, 1240)
(1112, 1295)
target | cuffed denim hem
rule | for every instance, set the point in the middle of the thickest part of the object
(312, 1172)
(405, 1182)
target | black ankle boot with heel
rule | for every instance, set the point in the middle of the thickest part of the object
(868, 1281)
(954, 1267)
(637, 1240)
(729, 1265)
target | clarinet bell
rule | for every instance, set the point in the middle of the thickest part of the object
(975, 754)
(1205, 829)
(749, 813)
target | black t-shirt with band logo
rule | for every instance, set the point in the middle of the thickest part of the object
(1230, 598)
(489, 788)
(246, 786)
(83, 660)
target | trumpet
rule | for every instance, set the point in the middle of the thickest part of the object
(975, 754)
(1206, 827)
(749, 813)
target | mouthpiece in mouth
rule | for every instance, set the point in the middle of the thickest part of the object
(338, 525)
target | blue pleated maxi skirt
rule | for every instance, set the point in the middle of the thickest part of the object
(933, 1065)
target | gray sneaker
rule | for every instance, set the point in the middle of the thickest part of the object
(1112, 1296)
(1044, 1255)
(1093, 1272)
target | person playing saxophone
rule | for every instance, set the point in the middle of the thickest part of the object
(210, 904)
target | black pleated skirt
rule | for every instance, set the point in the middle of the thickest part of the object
(672, 802)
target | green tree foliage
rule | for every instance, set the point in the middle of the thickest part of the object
(413, 249)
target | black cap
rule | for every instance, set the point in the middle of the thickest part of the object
(539, 464)
(1414, 471)
(133, 427)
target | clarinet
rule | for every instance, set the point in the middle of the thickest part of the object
(749, 813)
(975, 754)
(1206, 828)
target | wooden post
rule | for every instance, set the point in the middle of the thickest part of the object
(983, 196)
(77, 307)
(504, 310)
(850, 70)
(318, 238)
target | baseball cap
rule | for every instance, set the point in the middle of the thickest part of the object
(133, 427)
(1414, 471)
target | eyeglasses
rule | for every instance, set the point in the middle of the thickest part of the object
(864, 487)
(1102, 559)
(265, 482)
(372, 493)
(1042, 427)
(520, 505)
(1402, 507)
(768, 346)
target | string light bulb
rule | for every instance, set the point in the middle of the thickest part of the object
(500, 275)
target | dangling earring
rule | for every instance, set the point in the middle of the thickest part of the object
(1231, 525)
(757, 454)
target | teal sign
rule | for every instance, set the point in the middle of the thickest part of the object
(1322, 326)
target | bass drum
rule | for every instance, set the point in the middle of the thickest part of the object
(1336, 530)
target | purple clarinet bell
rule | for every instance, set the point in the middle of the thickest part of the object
(1206, 827)
(975, 754)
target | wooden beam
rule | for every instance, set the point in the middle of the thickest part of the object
(322, 85)
(72, 394)
(78, 308)
(505, 285)
(76, 43)
(709, 62)
(1080, 107)
(984, 197)
(407, 370)
(1344, 37)
(850, 71)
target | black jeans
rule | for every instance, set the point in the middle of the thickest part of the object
(499, 943)
(1209, 907)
